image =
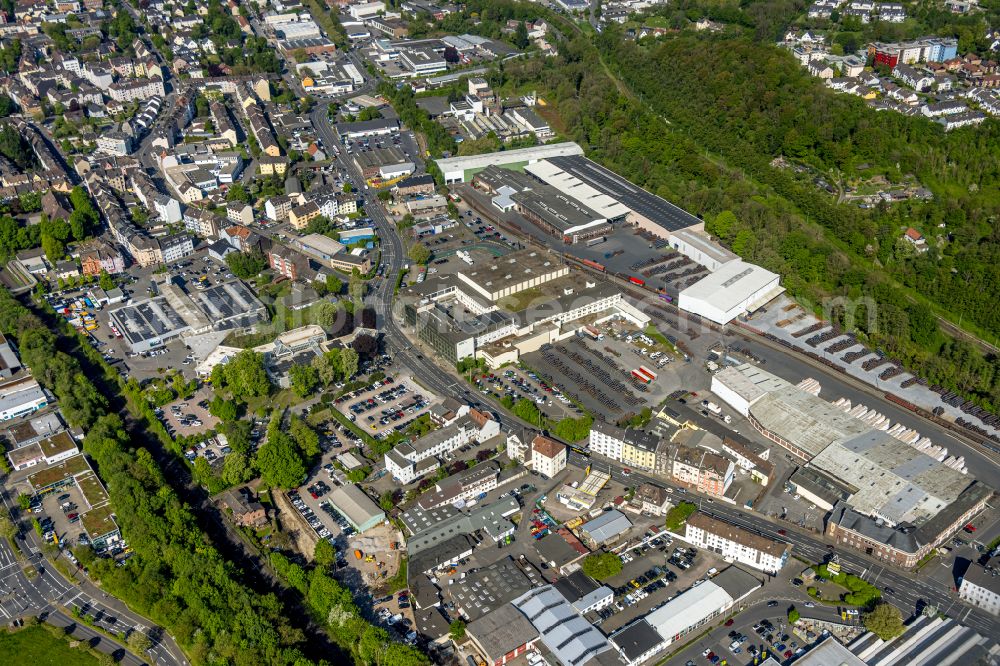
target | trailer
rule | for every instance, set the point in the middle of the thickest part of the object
(592, 332)
(641, 376)
(637, 281)
(649, 373)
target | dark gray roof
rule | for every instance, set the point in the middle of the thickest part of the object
(441, 553)
(736, 582)
(979, 576)
(636, 639)
(431, 623)
(648, 205)
(555, 551)
(501, 631)
(575, 586)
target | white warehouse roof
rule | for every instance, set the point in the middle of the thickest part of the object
(455, 169)
(572, 186)
(688, 610)
(736, 287)
(572, 639)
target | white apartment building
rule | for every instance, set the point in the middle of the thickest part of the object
(463, 487)
(139, 89)
(517, 449)
(548, 457)
(981, 589)
(408, 462)
(735, 544)
(607, 440)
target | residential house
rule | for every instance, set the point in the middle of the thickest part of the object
(239, 212)
(246, 510)
(548, 457)
(651, 499)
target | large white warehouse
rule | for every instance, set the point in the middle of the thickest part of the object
(734, 289)
(462, 169)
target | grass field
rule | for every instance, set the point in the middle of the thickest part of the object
(38, 647)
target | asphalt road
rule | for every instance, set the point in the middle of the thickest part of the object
(46, 593)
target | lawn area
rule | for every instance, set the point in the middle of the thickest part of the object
(654, 333)
(36, 646)
(656, 22)
(397, 582)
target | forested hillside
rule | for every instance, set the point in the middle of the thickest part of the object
(703, 119)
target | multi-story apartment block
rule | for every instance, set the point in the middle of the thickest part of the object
(201, 222)
(736, 544)
(101, 257)
(408, 462)
(461, 487)
(707, 472)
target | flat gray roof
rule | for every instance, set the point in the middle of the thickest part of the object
(501, 631)
(650, 206)
(147, 320)
(548, 151)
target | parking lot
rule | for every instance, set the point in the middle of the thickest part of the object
(385, 406)
(60, 514)
(653, 572)
(213, 449)
(525, 384)
(322, 518)
(591, 377)
(189, 417)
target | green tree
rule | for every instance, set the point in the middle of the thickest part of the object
(326, 314)
(324, 554)
(244, 375)
(457, 630)
(349, 360)
(139, 642)
(238, 192)
(303, 379)
(334, 284)
(246, 265)
(793, 615)
(884, 621)
(222, 409)
(24, 501)
(105, 281)
(387, 500)
(236, 469)
(520, 38)
(601, 566)
(678, 515)
(419, 253)
(304, 437)
(279, 462)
